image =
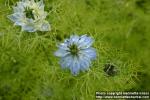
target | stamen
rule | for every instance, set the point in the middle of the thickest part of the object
(29, 13)
(74, 49)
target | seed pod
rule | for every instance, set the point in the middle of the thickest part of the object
(110, 69)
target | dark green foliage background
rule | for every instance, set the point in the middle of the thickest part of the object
(121, 29)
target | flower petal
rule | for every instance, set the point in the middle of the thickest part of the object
(63, 46)
(28, 28)
(74, 39)
(89, 52)
(18, 9)
(84, 63)
(75, 66)
(66, 61)
(85, 42)
(15, 17)
(41, 5)
(61, 53)
(45, 26)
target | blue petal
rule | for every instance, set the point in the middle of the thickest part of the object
(84, 63)
(75, 66)
(30, 20)
(28, 28)
(89, 52)
(67, 42)
(61, 53)
(15, 17)
(45, 26)
(18, 9)
(66, 61)
(19, 23)
(85, 42)
(21, 5)
(41, 5)
(63, 46)
(74, 39)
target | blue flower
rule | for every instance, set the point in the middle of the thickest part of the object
(30, 15)
(76, 53)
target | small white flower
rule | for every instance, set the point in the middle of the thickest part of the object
(30, 15)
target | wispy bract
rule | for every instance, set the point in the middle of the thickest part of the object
(30, 15)
(76, 53)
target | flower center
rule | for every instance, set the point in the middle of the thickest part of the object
(29, 13)
(74, 49)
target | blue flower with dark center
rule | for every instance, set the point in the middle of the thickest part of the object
(76, 53)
